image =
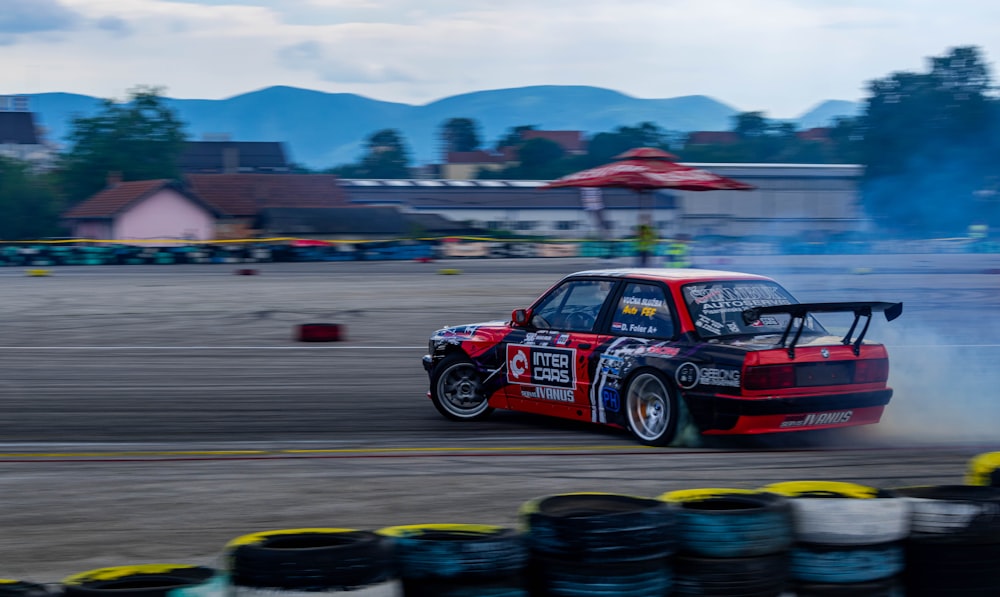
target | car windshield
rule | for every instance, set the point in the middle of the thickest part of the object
(716, 308)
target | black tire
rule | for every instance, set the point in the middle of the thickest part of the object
(941, 569)
(652, 408)
(151, 580)
(457, 389)
(845, 564)
(600, 528)
(19, 588)
(457, 553)
(887, 587)
(732, 524)
(760, 576)
(553, 577)
(310, 560)
(962, 513)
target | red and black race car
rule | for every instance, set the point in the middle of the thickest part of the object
(652, 350)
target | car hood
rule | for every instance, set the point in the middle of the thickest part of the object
(469, 331)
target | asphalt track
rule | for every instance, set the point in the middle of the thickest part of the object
(152, 413)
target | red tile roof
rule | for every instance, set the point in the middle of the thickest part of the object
(116, 198)
(571, 141)
(712, 138)
(246, 194)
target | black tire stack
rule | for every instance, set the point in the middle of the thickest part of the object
(848, 539)
(459, 560)
(147, 580)
(733, 542)
(954, 544)
(599, 544)
(311, 560)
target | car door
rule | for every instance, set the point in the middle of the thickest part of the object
(641, 324)
(547, 370)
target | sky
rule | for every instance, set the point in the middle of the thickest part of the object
(781, 57)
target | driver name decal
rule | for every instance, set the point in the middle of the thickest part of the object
(541, 366)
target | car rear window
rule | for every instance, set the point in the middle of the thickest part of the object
(716, 307)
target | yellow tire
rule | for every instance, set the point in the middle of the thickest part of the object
(823, 489)
(984, 470)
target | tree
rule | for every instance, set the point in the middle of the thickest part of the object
(514, 136)
(29, 203)
(461, 134)
(539, 159)
(387, 156)
(928, 143)
(141, 139)
(603, 147)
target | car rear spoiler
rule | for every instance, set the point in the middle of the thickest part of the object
(799, 312)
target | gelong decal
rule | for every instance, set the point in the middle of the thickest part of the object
(720, 377)
(541, 366)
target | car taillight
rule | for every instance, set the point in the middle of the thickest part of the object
(871, 370)
(769, 377)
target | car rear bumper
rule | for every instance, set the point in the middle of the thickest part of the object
(726, 415)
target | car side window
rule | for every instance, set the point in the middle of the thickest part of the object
(643, 311)
(573, 306)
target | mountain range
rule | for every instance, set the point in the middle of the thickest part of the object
(322, 129)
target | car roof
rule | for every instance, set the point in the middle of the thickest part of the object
(672, 275)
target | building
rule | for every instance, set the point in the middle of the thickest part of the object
(789, 201)
(233, 157)
(466, 165)
(20, 137)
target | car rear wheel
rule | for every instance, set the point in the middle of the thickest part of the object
(457, 390)
(652, 409)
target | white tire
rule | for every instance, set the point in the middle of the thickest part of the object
(849, 521)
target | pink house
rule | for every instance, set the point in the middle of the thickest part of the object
(143, 209)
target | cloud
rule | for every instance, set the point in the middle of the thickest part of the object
(311, 56)
(32, 16)
(114, 25)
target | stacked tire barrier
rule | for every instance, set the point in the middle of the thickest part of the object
(459, 560)
(599, 544)
(848, 538)
(314, 561)
(791, 539)
(732, 542)
(954, 543)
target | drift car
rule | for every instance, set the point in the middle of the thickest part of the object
(642, 349)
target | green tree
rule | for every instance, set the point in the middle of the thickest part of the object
(29, 203)
(604, 147)
(461, 134)
(929, 140)
(141, 139)
(387, 156)
(514, 136)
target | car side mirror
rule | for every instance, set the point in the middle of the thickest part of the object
(520, 317)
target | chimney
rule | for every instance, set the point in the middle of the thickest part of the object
(114, 177)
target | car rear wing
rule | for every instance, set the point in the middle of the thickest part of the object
(800, 311)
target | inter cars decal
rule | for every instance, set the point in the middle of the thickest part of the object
(541, 366)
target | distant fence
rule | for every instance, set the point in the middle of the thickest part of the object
(79, 252)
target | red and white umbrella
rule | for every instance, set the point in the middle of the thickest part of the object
(649, 168)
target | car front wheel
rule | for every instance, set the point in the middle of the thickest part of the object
(457, 390)
(652, 409)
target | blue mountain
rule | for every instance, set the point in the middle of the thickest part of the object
(321, 129)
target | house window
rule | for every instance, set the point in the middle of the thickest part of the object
(525, 225)
(567, 225)
(494, 225)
